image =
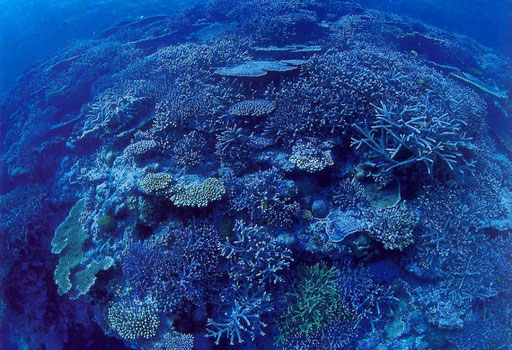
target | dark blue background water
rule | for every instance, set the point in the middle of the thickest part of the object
(31, 30)
(488, 21)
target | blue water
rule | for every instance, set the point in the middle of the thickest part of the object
(255, 174)
(32, 31)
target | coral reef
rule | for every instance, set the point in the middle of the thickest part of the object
(260, 174)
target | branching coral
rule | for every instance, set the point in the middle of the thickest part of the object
(233, 146)
(188, 272)
(255, 257)
(255, 262)
(189, 151)
(412, 134)
(266, 197)
(113, 110)
(242, 319)
(145, 267)
(225, 163)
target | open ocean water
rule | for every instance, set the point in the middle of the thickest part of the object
(256, 174)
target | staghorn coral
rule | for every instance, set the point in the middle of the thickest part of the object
(233, 147)
(242, 319)
(188, 152)
(112, 111)
(411, 134)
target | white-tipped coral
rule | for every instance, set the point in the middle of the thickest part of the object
(198, 195)
(308, 157)
(134, 321)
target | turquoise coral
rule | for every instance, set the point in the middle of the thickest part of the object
(68, 241)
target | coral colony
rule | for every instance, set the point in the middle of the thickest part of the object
(261, 175)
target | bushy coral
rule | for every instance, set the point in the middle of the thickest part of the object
(198, 194)
(252, 108)
(140, 147)
(157, 183)
(394, 227)
(173, 340)
(254, 255)
(311, 158)
(135, 320)
(313, 303)
(350, 195)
